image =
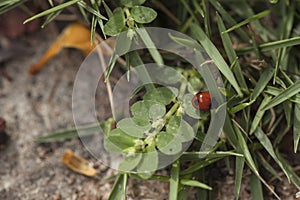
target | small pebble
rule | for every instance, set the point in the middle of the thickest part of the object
(298, 195)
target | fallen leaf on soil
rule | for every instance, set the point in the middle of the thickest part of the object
(78, 164)
(75, 35)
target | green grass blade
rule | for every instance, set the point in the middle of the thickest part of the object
(249, 159)
(91, 10)
(264, 140)
(206, 18)
(50, 18)
(174, 181)
(262, 82)
(280, 44)
(119, 189)
(195, 183)
(268, 166)
(6, 6)
(150, 45)
(218, 154)
(287, 24)
(190, 11)
(215, 55)
(245, 10)
(69, 133)
(198, 7)
(229, 131)
(272, 45)
(184, 192)
(285, 95)
(51, 10)
(244, 148)
(199, 165)
(276, 91)
(239, 166)
(246, 21)
(227, 17)
(107, 9)
(259, 114)
(294, 177)
(231, 54)
(287, 107)
(296, 126)
(256, 187)
(240, 107)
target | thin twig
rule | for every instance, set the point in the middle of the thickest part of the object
(108, 85)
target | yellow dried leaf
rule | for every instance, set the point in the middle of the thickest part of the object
(78, 164)
(75, 35)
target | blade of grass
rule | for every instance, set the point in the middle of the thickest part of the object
(276, 91)
(285, 95)
(91, 10)
(227, 17)
(296, 130)
(249, 159)
(174, 181)
(6, 6)
(83, 13)
(50, 18)
(153, 177)
(119, 189)
(190, 11)
(198, 8)
(246, 21)
(206, 18)
(287, 24)
(229, 131)
(259, 114)
(256, 187)
(262, 82)
(150, 45)
(264, 140)
(107, 9)
(287, 107)
(215, 55)
(199, 165)
(184, 192)
(245, 9)
(240, 107)
(195, 183)
(294, 177)
(244, 148)
(272, 45)
(254, 42)
(51, 10)
(69, 133)
(268, 167)
(231, 54)
(218, 154)
(239, 166)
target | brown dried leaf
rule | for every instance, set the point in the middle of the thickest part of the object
(78, 164)
(75, 35)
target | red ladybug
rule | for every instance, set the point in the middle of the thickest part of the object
(202, 101)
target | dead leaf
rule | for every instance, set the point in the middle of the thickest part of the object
(78, 164)
(75, 35)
